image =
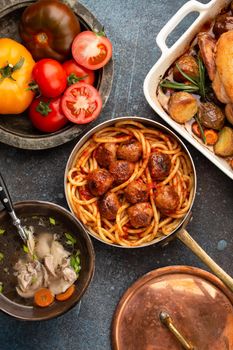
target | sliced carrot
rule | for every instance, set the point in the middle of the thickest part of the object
(43, 297)
(67, 294)
(196, 130)
(211, 136)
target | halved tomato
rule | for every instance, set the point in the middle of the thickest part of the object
(81, 103)
(91, 50)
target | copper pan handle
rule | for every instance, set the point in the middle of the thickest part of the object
(185, 238)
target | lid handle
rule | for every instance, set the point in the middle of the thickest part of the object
(166, 320)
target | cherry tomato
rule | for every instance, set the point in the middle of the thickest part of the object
(46, 114)
(91, 50)
(81, 103)
(50, 77)
(75, 72)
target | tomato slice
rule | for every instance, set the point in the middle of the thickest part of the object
(91, 50)
(81, 103)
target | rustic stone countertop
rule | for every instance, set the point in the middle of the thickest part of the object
(132, 26)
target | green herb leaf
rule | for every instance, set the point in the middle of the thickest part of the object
(52, 221)
(2, 231)
(25, 249)
(201, 78)
(1, 287)
(179, 86)
(1, 257)
(201, 128)
(75, 262)
(186, 76)
(70, 239)
(196, 85)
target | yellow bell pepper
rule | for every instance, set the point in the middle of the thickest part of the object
(16, 64)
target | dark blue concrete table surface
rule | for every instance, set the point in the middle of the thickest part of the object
(132, 26)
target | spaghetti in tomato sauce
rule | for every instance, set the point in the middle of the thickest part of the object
(130, 184)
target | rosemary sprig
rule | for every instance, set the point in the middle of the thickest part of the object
(179, 86)
(202, 78)
(201, 128)
(197, 85)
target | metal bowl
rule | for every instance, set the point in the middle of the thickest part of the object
(17, 130)
(146, 122)
(38, 208)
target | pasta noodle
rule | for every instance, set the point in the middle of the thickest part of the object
(119, 231)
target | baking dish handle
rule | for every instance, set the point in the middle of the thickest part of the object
(189, 7)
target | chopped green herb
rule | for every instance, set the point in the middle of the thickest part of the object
(1, 256)
(52, 221)
(25, 249)
(70, 239)
(2, 231)
(75, 262)
(1, 287)
(6, 270)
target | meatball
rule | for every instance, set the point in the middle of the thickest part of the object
(167, 199)
(106, 154)
(188, 65)
(159, 165)
(121, 170)
(136, 192)
(140, 215)
(99, 181)
(131, 151)
(109, 206)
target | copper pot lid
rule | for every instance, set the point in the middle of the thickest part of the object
(200, 306)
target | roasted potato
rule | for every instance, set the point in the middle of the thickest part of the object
(229, 112)
(211, 116)
(224, 145)
(188, 65)
(223, 24)
(182, 106)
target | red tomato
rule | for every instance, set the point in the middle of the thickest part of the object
(81, 103)
(74, 72)
(91, 50)
(46, 114)
(50, 77)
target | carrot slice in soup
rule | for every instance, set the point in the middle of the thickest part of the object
(67, 294)
(43, 297)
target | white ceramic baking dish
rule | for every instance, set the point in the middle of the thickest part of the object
(169, 55)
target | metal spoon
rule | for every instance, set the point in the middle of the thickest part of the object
(7, 203)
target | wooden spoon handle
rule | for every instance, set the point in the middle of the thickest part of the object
(185, 238)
